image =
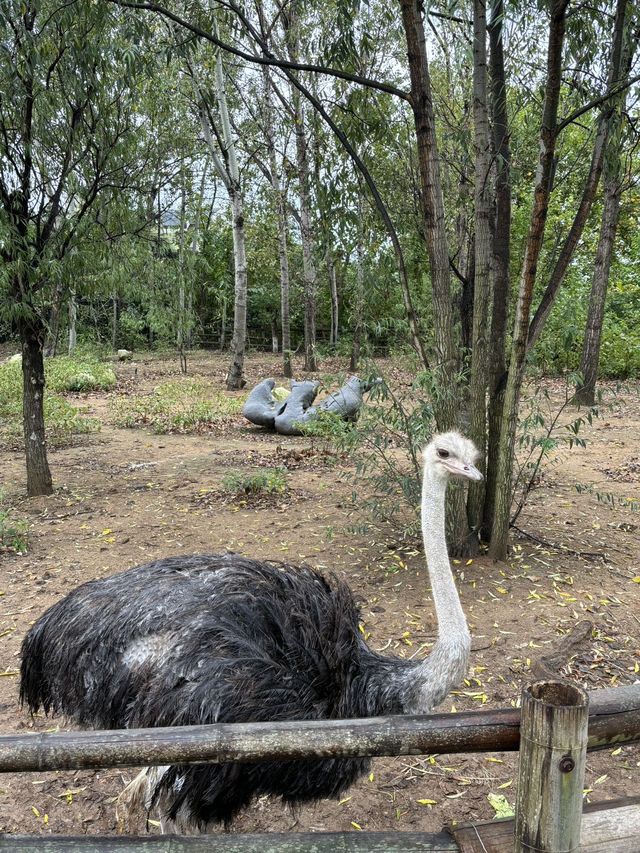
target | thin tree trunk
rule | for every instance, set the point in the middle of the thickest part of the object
(54, 322)
(591, 183)
(228, 170)
(612, 169)
(548, 136)
(482, 266)
(235, 377)
(32, 336)
(333, 293)
(274, 336)
(497, 365)
(114, 319)
(180, 336)
(309, 273)
(283, 226)
(73, 317)
(446, 402)
(465, 260)
(358, 295)
(446, 406)
(223, 324)
(602, 265)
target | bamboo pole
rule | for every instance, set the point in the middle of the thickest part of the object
(614, 719)
(553, 753)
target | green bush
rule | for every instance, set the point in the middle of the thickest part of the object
(269, 481)
(69, 373)
(62, 420)
(185, 405)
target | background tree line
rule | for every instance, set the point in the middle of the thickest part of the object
(448, 179)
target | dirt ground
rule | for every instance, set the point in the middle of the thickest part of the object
(124, 497)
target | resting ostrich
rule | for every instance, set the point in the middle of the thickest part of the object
(207, 639)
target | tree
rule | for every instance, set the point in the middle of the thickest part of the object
(291, 19)
(613, 185)
(69, 136)
(222, 148)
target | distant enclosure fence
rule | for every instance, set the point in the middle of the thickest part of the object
(556, 726)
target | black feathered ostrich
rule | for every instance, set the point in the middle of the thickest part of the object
(220, 639)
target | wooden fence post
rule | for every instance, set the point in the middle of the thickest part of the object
(553, 750)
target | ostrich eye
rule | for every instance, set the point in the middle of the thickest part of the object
(443, 454)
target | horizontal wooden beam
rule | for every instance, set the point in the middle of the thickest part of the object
(609, 827)
(295, 842)
(614, 718)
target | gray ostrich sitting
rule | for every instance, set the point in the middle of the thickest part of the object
(218, 639)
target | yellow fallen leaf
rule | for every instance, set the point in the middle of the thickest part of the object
(601, 779)
(506, 784)
(355, 825)
(427, 802)
(494, 760)
(35, 811)
(617, 751)
(636, 579)
(345, 800)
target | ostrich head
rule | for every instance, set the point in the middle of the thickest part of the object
(451, 454)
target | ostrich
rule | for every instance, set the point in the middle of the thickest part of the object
(215, 639)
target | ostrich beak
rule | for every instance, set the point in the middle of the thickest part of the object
(462, 469)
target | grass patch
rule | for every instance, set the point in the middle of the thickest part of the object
(66, 373)
(13, 532)
(184, 406)
(269, 481)
(62, 420)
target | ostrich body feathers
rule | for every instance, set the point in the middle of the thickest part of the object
(207, 639)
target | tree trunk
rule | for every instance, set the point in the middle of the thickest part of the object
(446, 405)
(283, 254)
(358, 295)
(593, 331)
(280, 196)
(32, 336)
(497, 365)
(333, 293)
(446, 401)
(235, 377)
(482, 266)
(612, 169)
(73, 317)
(309, 273)
(180, 333)
(223, 324)
(229, 172)
(274, 336)
(114, 319)
(54, 322)
(616, 64)
(548, 136)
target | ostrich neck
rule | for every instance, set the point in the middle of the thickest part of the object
(449, 613)
(447, 663)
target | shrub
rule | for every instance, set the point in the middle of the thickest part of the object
(68, 373)
(185, 405)
(62, 420)
(269, 481)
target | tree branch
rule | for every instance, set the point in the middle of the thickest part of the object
(264, 60)
(596, 102)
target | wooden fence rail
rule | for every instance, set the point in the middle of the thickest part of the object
(614, 718)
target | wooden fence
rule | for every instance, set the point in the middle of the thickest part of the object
(557, 725)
